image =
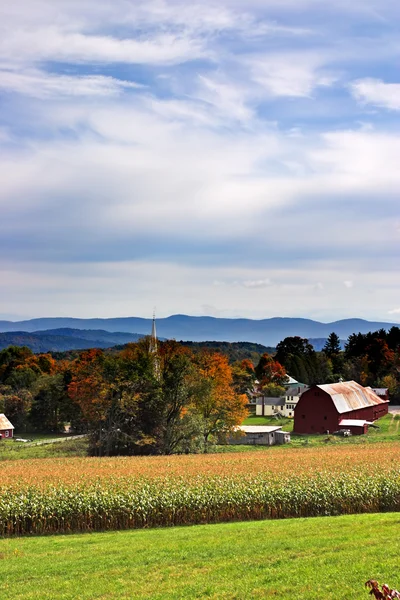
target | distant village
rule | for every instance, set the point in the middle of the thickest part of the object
(344, 408)
(162, 397)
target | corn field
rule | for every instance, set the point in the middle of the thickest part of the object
(53, 495)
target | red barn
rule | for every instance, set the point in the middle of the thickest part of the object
(346, 405)
(6, 429)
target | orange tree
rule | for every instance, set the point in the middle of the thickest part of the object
(220, 407)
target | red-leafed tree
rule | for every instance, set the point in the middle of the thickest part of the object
(270, 371)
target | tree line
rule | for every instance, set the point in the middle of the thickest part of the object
(134, 401)
(178, 399)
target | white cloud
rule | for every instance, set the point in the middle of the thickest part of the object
(377, 93)
(394, 311)
(287, 74)
(52, 44)
(227, 98)
(246, 167)
(348, 283)
(256, 283)
(44, 85)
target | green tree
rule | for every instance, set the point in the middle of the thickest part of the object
(332, 345)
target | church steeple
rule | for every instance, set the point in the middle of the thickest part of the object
(153, 337)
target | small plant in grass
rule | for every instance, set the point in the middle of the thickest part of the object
(381, 592)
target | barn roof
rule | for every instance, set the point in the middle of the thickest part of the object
(259, 428)
(5, 423)
(350, 395)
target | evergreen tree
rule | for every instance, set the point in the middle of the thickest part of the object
(332, 345)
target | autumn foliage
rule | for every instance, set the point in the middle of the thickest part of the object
(140, 402)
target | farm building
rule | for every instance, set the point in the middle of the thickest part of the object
(263, 435)
(6, 428)
(335, 406)
(268, 407)
(284, 406)
(382, 393)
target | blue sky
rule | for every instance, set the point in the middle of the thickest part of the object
(237, 158)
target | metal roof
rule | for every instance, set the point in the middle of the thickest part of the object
(271, 400)
(290, 380)
(350, 395)
(296, 390)
(5, 423)
(354, 422)
(259, 428)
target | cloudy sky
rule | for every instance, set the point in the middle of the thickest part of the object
(230, 158)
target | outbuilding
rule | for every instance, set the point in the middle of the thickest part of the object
(260, 435)
(6, 428)
(325, 408)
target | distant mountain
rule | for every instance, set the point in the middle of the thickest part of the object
(60, 340)
(319, 343)
(182, 327)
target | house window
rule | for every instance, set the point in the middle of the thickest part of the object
(325, 418)
(6, 433)
(290, 414)
(282, 407)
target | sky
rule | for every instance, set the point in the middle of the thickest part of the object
(230, 158)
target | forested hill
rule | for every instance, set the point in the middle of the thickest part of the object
(60, 340)
(182, 327)
(235, 351)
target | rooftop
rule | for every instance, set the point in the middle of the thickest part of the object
(350, 395)
(354, 422)
(259, 428)
(5, 423)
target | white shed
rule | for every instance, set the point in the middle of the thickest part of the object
(263, 435)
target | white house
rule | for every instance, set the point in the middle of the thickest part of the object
(283, 406)
(269, 406)
(292, 396)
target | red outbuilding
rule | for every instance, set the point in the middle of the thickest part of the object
(6, 428)
(335, 406)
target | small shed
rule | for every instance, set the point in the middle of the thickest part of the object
(356, 426)
(6, 428)
(263, 435)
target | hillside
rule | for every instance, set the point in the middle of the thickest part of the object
(235, 351)
(182, 327)
(61, 340)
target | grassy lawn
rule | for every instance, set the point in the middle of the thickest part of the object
(388, 430)
(301, 559)
(10, 450)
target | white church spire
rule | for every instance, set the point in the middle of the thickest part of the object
(153, 337)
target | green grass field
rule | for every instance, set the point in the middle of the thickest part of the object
(301, 559)
(387, 430)
(10, 450)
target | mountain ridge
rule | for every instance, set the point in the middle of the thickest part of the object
(204, 328)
